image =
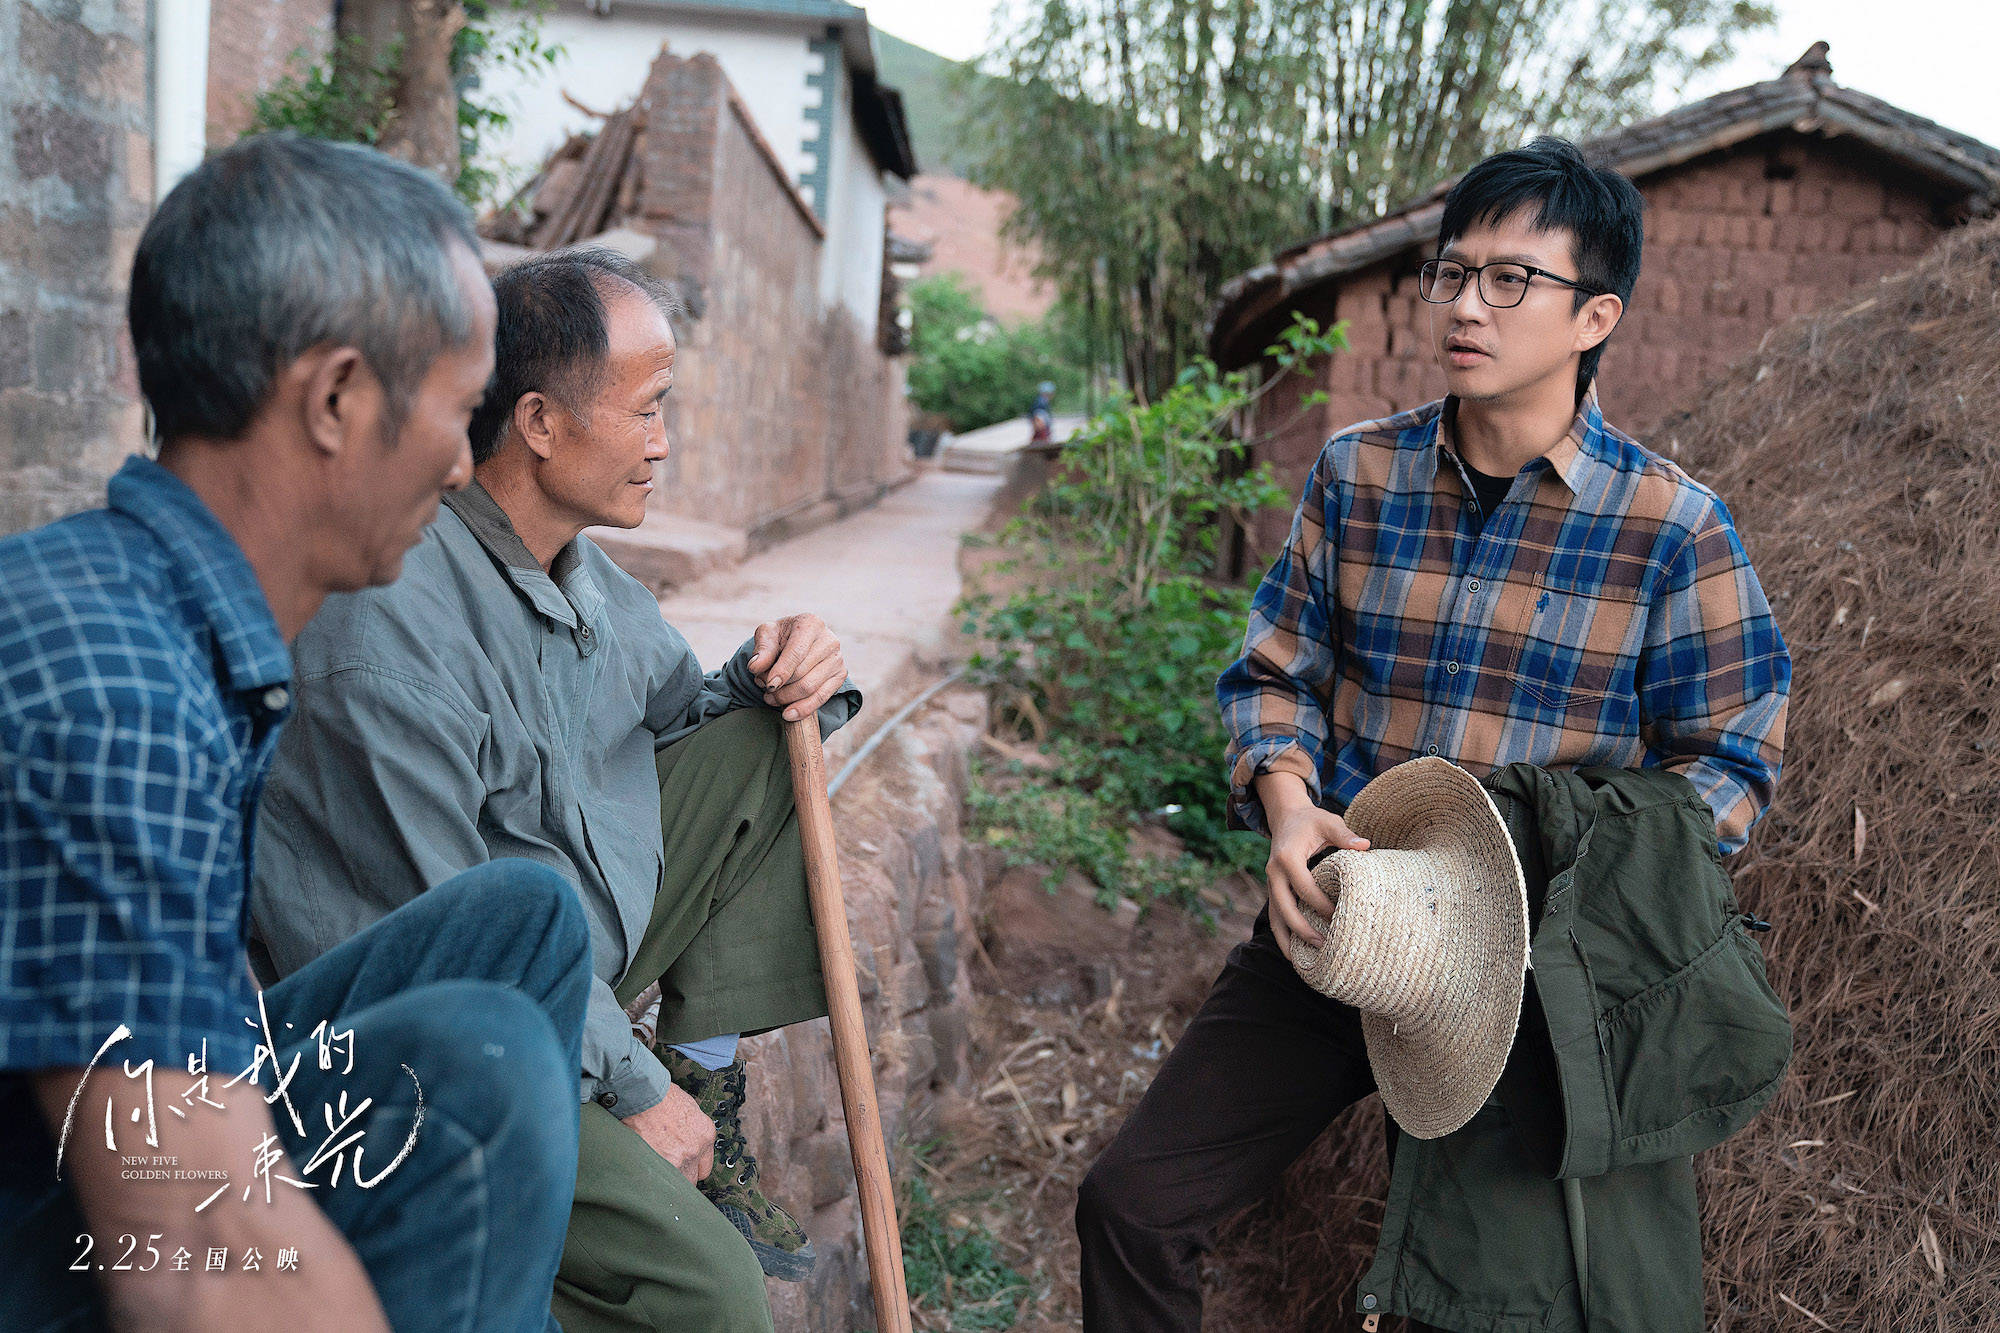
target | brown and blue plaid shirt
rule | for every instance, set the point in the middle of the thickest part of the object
(1604, 613)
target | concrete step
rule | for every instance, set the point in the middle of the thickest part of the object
(992, 449)
(670, 551)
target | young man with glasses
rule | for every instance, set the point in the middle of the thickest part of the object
(1496, 577)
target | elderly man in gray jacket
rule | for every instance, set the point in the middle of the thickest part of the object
(516, 694)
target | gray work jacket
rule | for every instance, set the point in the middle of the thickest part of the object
(479, 708)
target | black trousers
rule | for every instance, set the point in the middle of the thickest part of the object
(1264, 1067)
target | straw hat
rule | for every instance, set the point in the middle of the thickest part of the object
(1429, 940)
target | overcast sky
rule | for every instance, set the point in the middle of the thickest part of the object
(1934, 57)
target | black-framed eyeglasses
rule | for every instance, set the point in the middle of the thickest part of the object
(1501, 285)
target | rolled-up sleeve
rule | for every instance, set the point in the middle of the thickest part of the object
(731, 686)
(1715, 678)
(1276, 696)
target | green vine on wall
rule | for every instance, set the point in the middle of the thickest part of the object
(349, 97)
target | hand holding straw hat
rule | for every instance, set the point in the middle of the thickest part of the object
(1428, 939)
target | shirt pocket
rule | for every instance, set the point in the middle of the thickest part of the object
(1574, 646)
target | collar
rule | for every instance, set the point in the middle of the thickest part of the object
(1572, 458)
(565, 593)
(208, 564)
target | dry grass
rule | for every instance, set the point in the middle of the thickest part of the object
(1857, 451)
(1078, 1008)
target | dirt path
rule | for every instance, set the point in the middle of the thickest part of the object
(1076, 1012)
(1077, 1007)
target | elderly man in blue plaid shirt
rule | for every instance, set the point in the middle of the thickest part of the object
(388, 1137)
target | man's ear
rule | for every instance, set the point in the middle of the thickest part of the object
(1597, 319)
(534, 421)
(336, 393)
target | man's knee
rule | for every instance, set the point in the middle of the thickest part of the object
(526, 898)
(487, 1057)
(695, 1273)
(1117, 1193)
(729, 1294)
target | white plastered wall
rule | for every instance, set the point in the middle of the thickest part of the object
(604, 65)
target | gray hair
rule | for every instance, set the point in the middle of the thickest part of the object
(280, 244)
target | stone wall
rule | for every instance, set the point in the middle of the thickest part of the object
(1736, 242)
(76, 183)
(783, 414)
(912, 887)
(76, 187)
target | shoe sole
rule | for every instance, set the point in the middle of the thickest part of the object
(783, 1265)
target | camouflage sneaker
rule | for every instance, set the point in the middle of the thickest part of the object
(780, 1244)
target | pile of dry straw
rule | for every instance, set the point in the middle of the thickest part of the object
(1857, 451)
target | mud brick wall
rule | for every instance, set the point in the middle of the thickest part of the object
(1736, 242)
(782, 414)
(251, 45)
(76, 184)
(912, 886)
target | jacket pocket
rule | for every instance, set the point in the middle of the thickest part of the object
(1695, 1057)
(1486, 1241)
(1574, 646)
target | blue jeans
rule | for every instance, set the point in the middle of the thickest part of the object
(478, 986)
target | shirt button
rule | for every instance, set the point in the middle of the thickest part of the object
(1368, 1302)
(1472, 586)
(1432, 750)
(1451, 668)
(607, 1100)
(277, 697)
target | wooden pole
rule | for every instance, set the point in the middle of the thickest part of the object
(879, 1231)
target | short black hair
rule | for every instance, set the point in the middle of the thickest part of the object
(552, 337)
(279, 244)
(1600, 209)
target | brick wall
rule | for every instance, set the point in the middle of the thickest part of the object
(250, 45)
(76, 174)
(1735, 243)
(76, 187)
(781, 414)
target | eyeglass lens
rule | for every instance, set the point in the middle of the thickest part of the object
(1500, 285)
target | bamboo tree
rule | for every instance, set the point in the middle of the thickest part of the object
(1157, 147)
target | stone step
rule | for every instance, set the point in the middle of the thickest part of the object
(993, 449)
(670, 551)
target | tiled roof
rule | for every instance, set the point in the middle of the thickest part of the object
(1804, 99)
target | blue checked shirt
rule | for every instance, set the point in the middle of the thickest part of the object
(1604, 613)
(142, 684)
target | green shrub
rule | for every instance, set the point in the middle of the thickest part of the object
(974, 370)
(347, 98)
(1108, 643)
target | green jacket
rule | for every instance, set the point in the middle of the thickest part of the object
(1648, 1033)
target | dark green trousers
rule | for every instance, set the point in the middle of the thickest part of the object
(731, 943)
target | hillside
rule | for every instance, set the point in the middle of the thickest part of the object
(924, 79)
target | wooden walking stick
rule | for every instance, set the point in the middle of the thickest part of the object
(879, 1232)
